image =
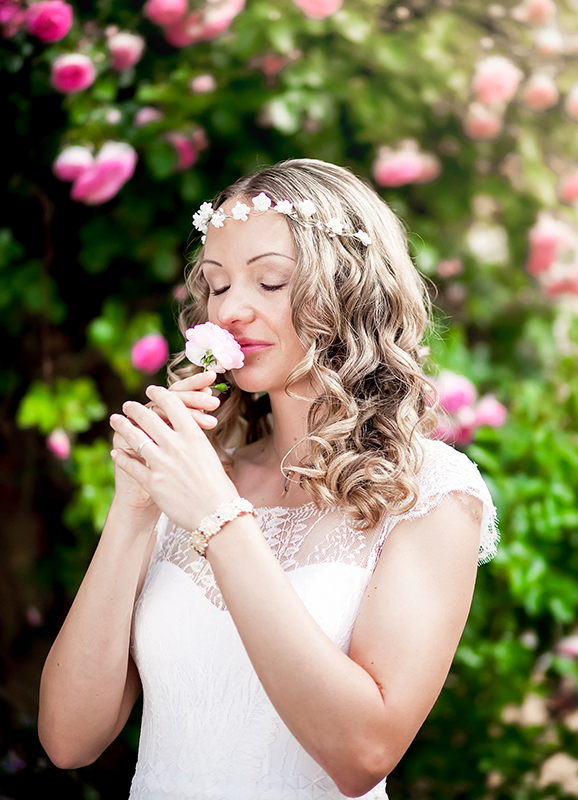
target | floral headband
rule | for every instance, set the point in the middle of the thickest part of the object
(301, 213)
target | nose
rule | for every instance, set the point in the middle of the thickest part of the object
(235, 306)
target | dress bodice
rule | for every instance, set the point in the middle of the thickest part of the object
(209, 731)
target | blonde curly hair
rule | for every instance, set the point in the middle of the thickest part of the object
(360, 313)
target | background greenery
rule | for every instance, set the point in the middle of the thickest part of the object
(78, 285)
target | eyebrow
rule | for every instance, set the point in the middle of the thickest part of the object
(250, 261)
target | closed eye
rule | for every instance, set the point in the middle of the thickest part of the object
(217, 292)
(273, 288)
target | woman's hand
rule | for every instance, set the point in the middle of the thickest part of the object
(172, 460)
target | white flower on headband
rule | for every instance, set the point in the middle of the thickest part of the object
(334, 227)
(284, 207)
(307, 208)
(218, 219)
(261, 202)
(241, 211)
(363, 237)
(203, 216)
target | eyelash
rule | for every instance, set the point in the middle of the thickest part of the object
(267, 288)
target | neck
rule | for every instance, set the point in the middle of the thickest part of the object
(286, 447)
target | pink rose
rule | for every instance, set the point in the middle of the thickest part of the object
(12, 17)
(567, 284)
(397, 168)
(146, 115)
(212, 347)
(318, 9)
(540, 92)
(126, 50)
(495, 80)
(490, 412)
(567, 647)
(482, 124)
(569, 188)
(59, 444)
(571, 103)
(72, 72)
(49, 20)
(203, 84)
(454, 391)
(537, 12)
(72, 163)
(546, 239)
(149, 353)
(165, 12)
(184, 149)
(196, 27)
(113, 166)
(430, 168)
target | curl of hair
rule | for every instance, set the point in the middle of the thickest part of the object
(360, 313)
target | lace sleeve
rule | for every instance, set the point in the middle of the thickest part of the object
(444, 471)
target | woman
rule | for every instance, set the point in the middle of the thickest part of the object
(298, 652)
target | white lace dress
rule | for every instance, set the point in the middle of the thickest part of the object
(209, 731)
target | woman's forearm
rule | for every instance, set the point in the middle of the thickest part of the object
(89, 683)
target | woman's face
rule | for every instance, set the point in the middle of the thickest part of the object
(248, 266)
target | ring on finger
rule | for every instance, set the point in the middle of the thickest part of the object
(148, 440)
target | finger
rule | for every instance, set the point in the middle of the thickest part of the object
(179, 416)
(200, 381)
(132, 466)
(198, 399)
(133, 434)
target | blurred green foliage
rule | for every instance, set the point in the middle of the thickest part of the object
(78, 285)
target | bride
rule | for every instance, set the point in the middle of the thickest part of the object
(291, 648)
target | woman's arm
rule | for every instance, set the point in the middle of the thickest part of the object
(89, 682)
(357, 714)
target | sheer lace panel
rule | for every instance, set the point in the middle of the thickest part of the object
(306, 535)
(299, 537)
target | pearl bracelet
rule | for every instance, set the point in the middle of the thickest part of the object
(212, 524)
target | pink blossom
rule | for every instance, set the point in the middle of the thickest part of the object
(430, 168)
(12, 17)
(49, 20)
(72, 72)
(196, 27)
(537, 12)
(569, 188)
(72, 162)
(212, 347)
(147, 114)
(112, 168)
(540, 92)
(185, 31)
(318, 9)
(126, 50)
(149, 353)
(397, 168)
(571, 103)
(184, 149)
(546, 238)
(548, 41)
(495, 80)
(482, 124)
(566, 284)
(59, 444)
(454, 391)
(568, 647)
(203, 84)
(165, 12)
(490, 412)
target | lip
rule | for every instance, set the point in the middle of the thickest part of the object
(252, 345)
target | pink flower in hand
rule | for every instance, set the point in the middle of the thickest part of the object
(72, 163)
(59, 444)
(149, 353)
(165, 12)
(49, 20)
(212, 347)
(72, 72)
(126, 50)
(112, 168)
